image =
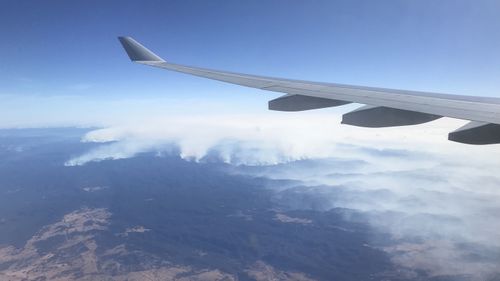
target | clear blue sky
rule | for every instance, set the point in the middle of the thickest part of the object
(52, 48)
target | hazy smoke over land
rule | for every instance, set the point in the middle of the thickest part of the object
(438, 200)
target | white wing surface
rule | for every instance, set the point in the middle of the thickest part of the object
(384, 107)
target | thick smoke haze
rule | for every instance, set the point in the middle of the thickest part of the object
(438, 200)
(272, 138)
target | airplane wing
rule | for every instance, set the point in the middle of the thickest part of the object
(383, 107)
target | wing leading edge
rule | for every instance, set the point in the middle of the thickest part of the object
(385, 107)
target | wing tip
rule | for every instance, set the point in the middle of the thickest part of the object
(136, 51)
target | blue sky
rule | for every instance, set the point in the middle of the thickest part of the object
(69, 48)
